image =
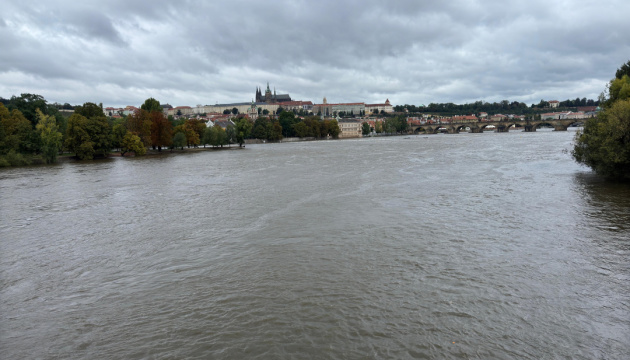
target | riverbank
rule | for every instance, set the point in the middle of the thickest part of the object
(19, 160)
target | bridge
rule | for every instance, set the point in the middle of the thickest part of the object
(499, 126)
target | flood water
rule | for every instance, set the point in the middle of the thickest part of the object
(465, 246)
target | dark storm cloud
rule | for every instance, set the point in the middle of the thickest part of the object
(192, 52)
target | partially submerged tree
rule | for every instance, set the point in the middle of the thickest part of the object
(604, 143)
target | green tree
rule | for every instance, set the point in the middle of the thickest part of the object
(16, 130)
(378, 127)
(274, 131)
(230, 134)
(179, 140)
(221, 137)
(50, 136)
(77, 137)
(604, 142)
(623, 70)
(90, 110)
(132, 143)
(27, 104)
(365, 129)
(287, 119)
(234, 111)
(260, 129)
(208, 135)
(118, 134)
(88, 136)
(300, 129)
(243, 129)
(150, 105)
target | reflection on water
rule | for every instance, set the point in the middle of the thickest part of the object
(607, 202)
(447, 246)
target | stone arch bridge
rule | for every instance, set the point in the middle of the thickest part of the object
(499, 126)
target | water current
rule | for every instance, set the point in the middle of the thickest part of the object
(466, 246)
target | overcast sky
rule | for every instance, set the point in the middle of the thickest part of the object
(413, 52)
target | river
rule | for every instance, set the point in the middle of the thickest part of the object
(466, 246)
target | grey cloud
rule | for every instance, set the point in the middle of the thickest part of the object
(410, 51)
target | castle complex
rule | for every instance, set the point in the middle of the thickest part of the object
(269, 98)
(270, 101)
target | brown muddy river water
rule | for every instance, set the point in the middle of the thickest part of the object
(467, 246)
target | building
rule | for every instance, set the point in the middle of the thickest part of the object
(306, 106)
(377, 108)
(465, 119)
(270, 98)
(554, 103)
(350, 128)
(326, 109)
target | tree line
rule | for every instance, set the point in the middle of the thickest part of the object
(504, 106)
(31, 129)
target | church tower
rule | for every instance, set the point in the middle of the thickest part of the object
(258, 95)
(268, 96)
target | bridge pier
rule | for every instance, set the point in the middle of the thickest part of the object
(502, 129)
(529, 128)
(476, 130)
(560, 127)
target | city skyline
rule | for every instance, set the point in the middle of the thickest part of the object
(121, 53)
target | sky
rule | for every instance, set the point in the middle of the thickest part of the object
(121, 52)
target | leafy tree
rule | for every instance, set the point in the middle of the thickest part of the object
(234, 111)
(619, 89)
(91, 136)
(16, 131)
(90, 110)
(623, 70)
(179, 140)
(313, 126)
(27, 104)
(226, 111)
(365, 129)
(150, 105)
(300, 129)
(208, 135)
(287, 119)
(230, 134)
(219, 138)
(604, 143)
(243, 129)
(138, 123)
(193, 128)
(132, 143)
(274, 131)
(77, 137)
(100, 134)
(378, 127)
(50, 136)
(161, 130)
(259, 130)
(330, 127)
(265, 112)
(118, 134)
